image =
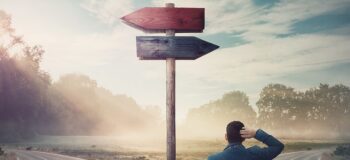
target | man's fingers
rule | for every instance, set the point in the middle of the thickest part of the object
(244, 131)
(245, 136)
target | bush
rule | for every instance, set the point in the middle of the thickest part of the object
(1, 152)
(29, 148)
(343, 150)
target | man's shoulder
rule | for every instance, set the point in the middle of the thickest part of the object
(256, 152)
(253, 149)
(217, 156)
(229, 154)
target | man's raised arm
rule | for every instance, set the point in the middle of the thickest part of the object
(274, 148)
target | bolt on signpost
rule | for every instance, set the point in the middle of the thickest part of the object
(169, 20)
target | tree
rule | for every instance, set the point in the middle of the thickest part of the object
(30, 104)
(320, 112)
(217, 114)
(280, 106)
(329, 107)
(22, 83)
(99, 110)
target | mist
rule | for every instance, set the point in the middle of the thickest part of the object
(32, 105)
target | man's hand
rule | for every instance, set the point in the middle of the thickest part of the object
(248, 133)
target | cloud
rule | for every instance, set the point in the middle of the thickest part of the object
(257, 23)
(108, 11)
(266, 56)
(110, 56)
(260, 60)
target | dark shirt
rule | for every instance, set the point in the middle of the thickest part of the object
(236, 151)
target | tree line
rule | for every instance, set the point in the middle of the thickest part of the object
(32, 104)
(321, 112)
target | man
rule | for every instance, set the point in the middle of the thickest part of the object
(236, 134)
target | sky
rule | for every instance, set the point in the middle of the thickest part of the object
(299, 43)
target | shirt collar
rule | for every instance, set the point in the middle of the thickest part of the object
(232, 144)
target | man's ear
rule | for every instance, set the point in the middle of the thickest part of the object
(226, 136)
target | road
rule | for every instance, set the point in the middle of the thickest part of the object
(303, 155)
(35, 155)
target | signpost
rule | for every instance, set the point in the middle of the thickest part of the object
(160, 19)
(180, 48)
(169, 20)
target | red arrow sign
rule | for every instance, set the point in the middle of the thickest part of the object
(156, 19)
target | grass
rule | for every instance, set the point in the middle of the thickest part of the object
(186, 149)
(8, 156)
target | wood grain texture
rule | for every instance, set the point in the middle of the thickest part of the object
(170, 109)
(180, 48)
(158, 19)
(170, 100)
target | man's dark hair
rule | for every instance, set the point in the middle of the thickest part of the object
(233, 132)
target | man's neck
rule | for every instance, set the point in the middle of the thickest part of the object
(235, 143)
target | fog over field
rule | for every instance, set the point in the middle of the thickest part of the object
(72, 82)
(33, 105)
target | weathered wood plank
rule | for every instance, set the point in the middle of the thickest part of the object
(181, 48)
(159, 19)
(170, 100)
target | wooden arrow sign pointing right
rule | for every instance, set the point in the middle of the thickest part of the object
(181, 48)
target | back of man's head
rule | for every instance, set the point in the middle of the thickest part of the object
(233, 132)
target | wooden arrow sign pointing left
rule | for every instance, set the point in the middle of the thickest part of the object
(160, 19)
(180, 48)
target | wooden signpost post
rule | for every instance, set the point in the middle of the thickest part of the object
(169, 20)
